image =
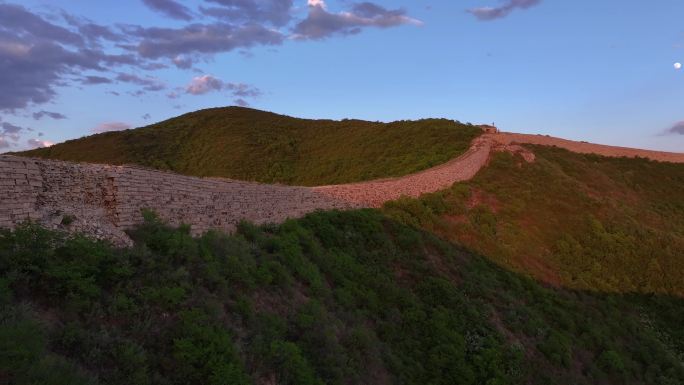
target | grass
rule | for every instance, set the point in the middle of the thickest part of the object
(254, 145)
(581, 221)
(333, 298)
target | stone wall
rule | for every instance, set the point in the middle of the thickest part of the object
(376, 192)
(20, 180)
(104, 200)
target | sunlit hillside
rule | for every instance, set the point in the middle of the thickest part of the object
(579, 221)
(248, 144)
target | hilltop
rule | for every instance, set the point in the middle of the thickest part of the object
(252, 145)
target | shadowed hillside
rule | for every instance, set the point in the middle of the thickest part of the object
(248, 144)
(581, 221)
(333, 298)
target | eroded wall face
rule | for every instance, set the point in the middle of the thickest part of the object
(104, 200)
(20, 182)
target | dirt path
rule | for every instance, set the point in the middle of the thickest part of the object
(376, 192)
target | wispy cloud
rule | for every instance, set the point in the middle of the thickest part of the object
(170, 8)
(321, 23)
(9, 134)
(110, 126)
(676, 129)
(54, 115)
(43, 52)
(241, 102)
(148, 83)
(274, 12)
(201, 85)
(37, 143)
(493, 13)
(93, 80)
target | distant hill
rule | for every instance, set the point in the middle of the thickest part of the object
(249, 144)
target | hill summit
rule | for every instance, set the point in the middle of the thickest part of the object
(253, 145)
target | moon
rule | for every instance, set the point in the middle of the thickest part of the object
(678, 66)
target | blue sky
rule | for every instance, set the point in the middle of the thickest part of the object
(601, 71)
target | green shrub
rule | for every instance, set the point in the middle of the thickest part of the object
(610, 360)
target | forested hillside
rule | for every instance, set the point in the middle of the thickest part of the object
(333, 298)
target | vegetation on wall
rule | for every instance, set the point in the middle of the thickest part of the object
(333, 298)
(248, 144)
(580, 221)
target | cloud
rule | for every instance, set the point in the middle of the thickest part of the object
(275, 12)
(182, 61)
(37, 143)
(8, 128)
(41, 53)
(201, 85)
(316, 3)
(170, 8)
(321, 24)
(148, 83)
(93, 80)
(110, 126)
(17, 18)
(36, 55)
(9, 134)
(493, 13)
(169, 43)
(54, 115)
(91, 32)
(676, 129)
(241, 102)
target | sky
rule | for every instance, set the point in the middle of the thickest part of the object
(601, 71)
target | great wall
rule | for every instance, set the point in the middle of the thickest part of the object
(103, 200)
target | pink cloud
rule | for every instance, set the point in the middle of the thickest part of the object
(110, 126)
(37, 143)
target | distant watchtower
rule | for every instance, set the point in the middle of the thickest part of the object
(489, 129)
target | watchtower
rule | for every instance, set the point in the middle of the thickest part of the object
(489, 129)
